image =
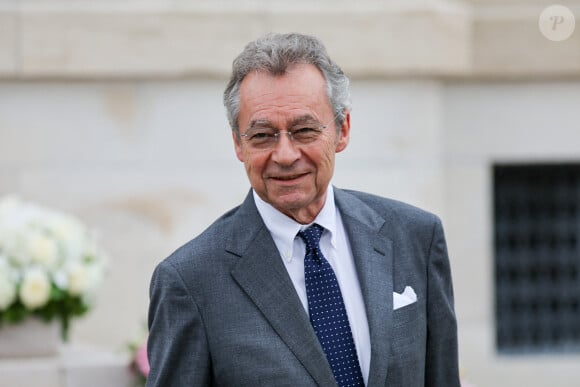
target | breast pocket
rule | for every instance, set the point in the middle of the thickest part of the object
(405, 314)
(408, 329)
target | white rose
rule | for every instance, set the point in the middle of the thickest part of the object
(11, 243)
(7, 291)
(35, 288)
(79, 279)
(71, 233)
(11, 273)
(42, 249)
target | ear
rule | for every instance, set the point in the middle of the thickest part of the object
(237, 146)
(344, 134)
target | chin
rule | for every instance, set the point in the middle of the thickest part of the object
(291, 201)
(295, 203)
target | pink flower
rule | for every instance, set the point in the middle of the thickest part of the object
(141, 360)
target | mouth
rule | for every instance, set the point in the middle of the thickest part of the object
(288, 178)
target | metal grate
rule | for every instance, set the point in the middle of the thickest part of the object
(537, 258)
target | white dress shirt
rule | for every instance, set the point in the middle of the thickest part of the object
(336, 249)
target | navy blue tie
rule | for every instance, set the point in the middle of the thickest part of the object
(327, 312)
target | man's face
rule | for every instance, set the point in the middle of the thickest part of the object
(291, 177)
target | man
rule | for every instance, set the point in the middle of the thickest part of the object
(303, 284)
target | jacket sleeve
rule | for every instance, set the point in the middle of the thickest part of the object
(442, 368)
(177, 346)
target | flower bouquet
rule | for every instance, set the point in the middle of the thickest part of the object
(50, 266)
(139, 361)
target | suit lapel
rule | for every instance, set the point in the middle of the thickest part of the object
(262, 275)
(373, 255)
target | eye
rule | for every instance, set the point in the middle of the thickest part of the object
(306, 133)
(260, 135)
(305, 130)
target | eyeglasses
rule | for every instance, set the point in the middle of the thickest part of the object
(266, 138)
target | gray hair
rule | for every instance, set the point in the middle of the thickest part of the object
(275, 54)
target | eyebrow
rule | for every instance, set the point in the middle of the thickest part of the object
(304, 119)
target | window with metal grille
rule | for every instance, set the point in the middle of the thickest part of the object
(537, 258)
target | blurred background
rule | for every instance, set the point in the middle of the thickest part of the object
(111, 110)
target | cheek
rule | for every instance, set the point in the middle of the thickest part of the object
(255, 164)
(328, 155)
(323, 160)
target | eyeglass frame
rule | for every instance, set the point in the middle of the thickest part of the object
(276, 134)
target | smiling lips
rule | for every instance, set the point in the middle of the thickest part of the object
(287, 177)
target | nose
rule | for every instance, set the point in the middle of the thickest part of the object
(285, 150)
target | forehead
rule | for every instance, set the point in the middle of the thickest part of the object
(301, 91)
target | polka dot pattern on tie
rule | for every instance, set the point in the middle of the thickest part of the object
(327, 312)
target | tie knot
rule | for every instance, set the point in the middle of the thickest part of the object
(311, 236)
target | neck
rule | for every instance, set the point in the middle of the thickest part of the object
(306, 215)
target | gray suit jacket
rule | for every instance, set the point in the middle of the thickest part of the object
(224, 312)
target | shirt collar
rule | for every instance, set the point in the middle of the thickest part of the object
(284, 229)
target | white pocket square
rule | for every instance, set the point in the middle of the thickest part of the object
(406, 298)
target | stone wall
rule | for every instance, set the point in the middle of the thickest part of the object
(154, 38)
